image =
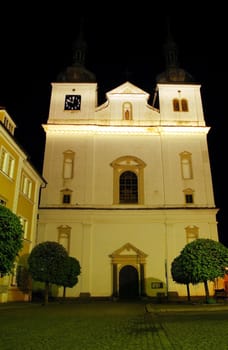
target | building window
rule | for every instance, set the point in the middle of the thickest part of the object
(188, 198)
(184, 105)
(192, 233)
(176, 106)
(66, 195)
(7, 162)
(3, 201)
(64, 236)
(26, 186)
(24, 224)
(8, 124)
(180, 105)
(188, 193)
(127, 111)
(68, 164)
(128, 187)
(186, 165)
(128, 180)
(13, 277)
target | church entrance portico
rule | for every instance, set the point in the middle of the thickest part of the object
(128, 280)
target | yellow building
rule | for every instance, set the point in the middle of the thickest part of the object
(20, 185)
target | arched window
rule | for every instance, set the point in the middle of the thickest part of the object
(180, 105)
(128, 187)
(176, 106)
(128, 180)
(184, 105)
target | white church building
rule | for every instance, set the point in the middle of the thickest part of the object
(128, 184)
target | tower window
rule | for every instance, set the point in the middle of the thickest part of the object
(176, 106)
(184, 105)
(188, 193)
(180, 105)
(188, 198)
(66, 196)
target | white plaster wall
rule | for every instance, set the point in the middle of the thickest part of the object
(97, 234)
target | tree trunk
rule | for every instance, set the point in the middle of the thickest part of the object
(64, 292)
(188, 292)
(46, 291)
(206, 290)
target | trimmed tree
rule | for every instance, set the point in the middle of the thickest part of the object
(68, 277)
(45, 261)
(204, 260)
(11, 239)
(23, 277)
(179, 274)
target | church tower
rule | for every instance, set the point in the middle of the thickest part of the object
(128, 184)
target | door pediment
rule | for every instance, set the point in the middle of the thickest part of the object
(128, 253)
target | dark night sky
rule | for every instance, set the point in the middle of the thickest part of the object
(37, 44)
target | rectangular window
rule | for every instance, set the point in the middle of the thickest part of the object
(24, 224)
(66, 198)
(188, 198)
(26, 186)
(13, 281)
(7, 162)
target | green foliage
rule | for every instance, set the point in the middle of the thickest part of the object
(204, 260)
(178, 272)
(23, 277)
(68, 276)
(45, 261)
(11, 239)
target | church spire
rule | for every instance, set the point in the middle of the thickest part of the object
(77, 73)
(173, 73)
(171, 50)
(80, 47)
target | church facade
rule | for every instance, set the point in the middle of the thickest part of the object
(128, 184)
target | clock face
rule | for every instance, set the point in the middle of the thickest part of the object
(72, 102)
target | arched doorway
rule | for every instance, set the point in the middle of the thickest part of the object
(128, 269)
(128, 282)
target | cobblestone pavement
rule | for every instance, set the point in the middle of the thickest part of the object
(116, 326)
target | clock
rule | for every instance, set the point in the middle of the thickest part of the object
(72, 102)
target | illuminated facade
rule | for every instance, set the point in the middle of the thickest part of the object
(129, 183)
(20, 187)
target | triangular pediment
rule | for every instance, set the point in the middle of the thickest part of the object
(128, 249)
(128, 161)
(127, 88)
